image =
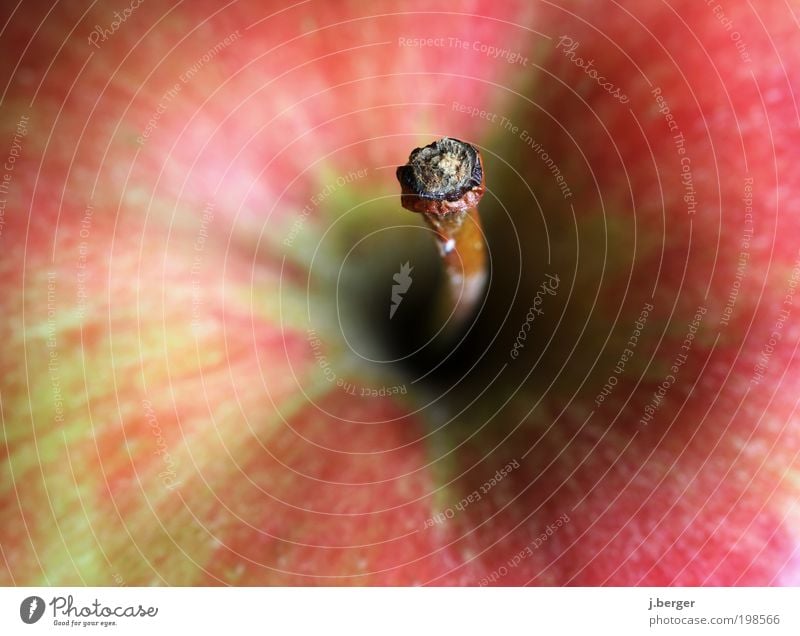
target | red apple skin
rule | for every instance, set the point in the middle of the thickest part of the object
(165, 419)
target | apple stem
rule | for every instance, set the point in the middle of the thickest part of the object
(444, 182)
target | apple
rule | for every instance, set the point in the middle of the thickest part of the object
(203, 380)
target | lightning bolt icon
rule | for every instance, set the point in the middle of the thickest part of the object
(32, 608)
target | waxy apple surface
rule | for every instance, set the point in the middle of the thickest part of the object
(200, 382)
